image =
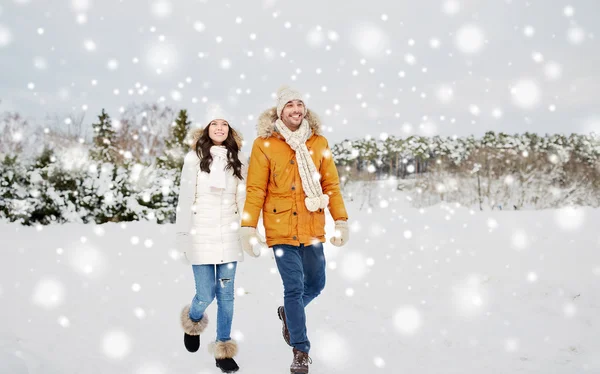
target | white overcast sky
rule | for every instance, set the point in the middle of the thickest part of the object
(370, 67)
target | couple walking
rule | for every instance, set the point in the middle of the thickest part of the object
(291, 178)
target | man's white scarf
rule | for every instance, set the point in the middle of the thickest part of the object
(217, 177)
(315, 198)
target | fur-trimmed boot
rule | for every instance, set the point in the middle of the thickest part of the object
(224, 353)
(192, 329)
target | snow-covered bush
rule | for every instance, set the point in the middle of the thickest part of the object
(498, 171)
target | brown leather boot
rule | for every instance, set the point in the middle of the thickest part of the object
(300, 362)
(284, 329)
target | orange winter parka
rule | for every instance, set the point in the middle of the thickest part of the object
(274, 186)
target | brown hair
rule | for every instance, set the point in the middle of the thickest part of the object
(203, 151)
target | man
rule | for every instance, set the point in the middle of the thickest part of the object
(292, 178)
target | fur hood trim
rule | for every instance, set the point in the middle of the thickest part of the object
(266, 122)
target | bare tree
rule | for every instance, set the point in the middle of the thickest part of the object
(14, 133)
(142, 130)
(66, 131)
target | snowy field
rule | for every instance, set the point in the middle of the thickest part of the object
(439, 290)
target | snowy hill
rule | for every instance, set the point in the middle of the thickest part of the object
(439, 290)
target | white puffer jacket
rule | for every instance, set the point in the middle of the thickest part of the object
(208, 218)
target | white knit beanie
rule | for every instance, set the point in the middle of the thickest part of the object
(215, 111)
(286, 94)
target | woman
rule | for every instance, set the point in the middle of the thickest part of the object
(211, 197)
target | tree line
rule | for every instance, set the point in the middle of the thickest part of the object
(130, 169)
(495, 171)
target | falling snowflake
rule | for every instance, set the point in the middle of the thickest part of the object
(80, 5)
(162, 8)
(379, 362)
(552, 70)
(445, 94)
(511, 345)
(410, 59)
(469, 295)
(112, 64)
(331, 349)
(315, 37)
(370, 40)
(199, 26)
(48, 293)
(40, 63)
(116, 345)
(470, 39)
(520, 239)
(526, 94)
(353, 266)
(569, 11)
(451, 7)
(88, 261)
(237, 335)
(569, 218)
(139, 313)
(162, 57)
(532, 277)
(529, 31)
(407, 320)
(5, 36)
(575, 35)
(64, 321)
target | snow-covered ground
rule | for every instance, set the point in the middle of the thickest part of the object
(439, 290)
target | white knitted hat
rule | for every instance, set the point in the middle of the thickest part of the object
(286, 94)
(215, 111)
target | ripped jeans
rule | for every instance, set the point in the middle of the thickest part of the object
(208, 287)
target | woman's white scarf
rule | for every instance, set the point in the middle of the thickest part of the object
(315, 198)
(217, 177)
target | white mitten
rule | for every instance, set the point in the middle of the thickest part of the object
(249, 238)
(341, 235)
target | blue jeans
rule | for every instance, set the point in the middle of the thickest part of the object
(207, 288)
(302, 271)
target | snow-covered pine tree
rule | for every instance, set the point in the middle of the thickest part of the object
(175, 145)
(63, 185)
(158, 190)
(45, 208)
(103, 148)
(14, 186)
(170, 163)
(106, 194)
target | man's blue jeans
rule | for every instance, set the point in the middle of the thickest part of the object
(302, 271)
(207, 288)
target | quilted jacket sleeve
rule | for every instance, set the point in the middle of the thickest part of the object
(256, 184)
(240, 197)
(187, 187)
(330, 182)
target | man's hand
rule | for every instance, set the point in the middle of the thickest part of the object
(342, 235)
(249, 238)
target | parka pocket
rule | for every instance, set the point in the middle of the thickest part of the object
(318, 222)
(278, 218)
